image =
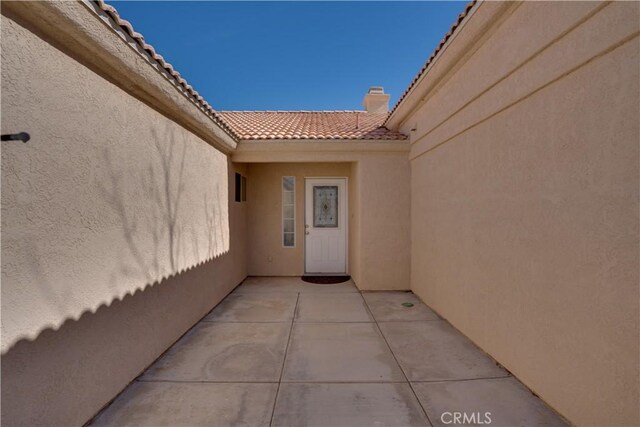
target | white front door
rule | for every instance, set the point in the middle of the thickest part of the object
(325, 225)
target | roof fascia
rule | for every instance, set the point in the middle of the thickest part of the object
(326, 144)
(256, 151)
(468, 37)
(88, 34)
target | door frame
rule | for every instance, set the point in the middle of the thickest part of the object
(346, 225)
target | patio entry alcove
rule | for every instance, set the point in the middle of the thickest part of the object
(376, 179)
(277, 240)
(355, 150)
(276, 216)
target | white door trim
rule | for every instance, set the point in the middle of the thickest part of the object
(346, 221)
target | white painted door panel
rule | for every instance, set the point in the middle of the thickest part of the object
(325, 225)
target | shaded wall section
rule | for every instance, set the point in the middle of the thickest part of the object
(117, 234)
(524, 192)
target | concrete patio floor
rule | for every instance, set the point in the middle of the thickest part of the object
(282, 352)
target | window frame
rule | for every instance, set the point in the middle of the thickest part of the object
(283, 191)
(238, 188)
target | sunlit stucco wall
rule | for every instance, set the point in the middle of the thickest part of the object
(524, 197)
(117, 234)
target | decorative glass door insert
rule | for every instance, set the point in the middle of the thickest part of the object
(325, 206)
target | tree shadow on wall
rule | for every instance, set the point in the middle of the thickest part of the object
(161, 184)
(169, 268)
(156, 235)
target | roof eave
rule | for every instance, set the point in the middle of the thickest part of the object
(318, 150)
(328, 141)
(84, 31)
(415, 92)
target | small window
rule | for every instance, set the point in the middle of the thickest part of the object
(288, 211)
(241, 188)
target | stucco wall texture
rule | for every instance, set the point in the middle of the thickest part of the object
(116, 234)
(525, 198)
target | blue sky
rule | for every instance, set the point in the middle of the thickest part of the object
(293, 55)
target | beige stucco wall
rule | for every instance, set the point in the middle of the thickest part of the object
(379, 206)
(117, 234)
(353, 262)
(384, 222)
(525, 186)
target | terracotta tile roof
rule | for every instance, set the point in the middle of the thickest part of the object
(139, 39)
(310, 125)
(435, 53)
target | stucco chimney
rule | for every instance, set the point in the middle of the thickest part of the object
(376, 101)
